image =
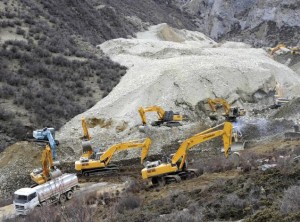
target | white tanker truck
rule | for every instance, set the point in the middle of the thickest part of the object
(59, 190)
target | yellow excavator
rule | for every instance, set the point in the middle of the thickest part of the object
(295, 50)
(48, 170)
(88, 166)
(169, 118)
(161, 172)
(86, 134)
(86, 138)
(277, 47)
(230, 113)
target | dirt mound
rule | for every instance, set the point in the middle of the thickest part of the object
(18, 160)
(16, 163)
(177, 76)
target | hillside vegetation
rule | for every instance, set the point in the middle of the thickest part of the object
(50, 69)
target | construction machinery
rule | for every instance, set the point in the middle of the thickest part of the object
(277, 47)
(86, 144)
(100, 162)
(86, 134)
(48, 171)
(295, 50)
(279, 100)
(169, 118)
(175, 169)
(230, 113)
(58, 190)
(46, 135)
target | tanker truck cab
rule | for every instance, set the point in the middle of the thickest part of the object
(25, 199)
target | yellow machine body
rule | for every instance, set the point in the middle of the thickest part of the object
(179, 158)
(163, 116)
(104, 159)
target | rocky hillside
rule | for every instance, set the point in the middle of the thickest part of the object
(260, 23)
(50, 69)
(45, 43)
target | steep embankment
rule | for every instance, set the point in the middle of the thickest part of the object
(178, 70)
(261, 23)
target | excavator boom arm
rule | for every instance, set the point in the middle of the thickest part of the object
(86, 135)
(108, 154)
(52, 143)
(159, 110)
(213, 102)
(47, 161)
(202, 137)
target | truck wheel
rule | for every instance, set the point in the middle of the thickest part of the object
(69, 195)
(86, 174)
(62, 198)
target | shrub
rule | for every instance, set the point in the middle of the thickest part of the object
(5, 201)
(7, 91)
(180, 216)
(53, 98)
(134, 187)
(128, 202)
(20, 31)
(291, 200)
(5, 115)
(214, 164)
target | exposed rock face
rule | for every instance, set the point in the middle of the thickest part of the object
(257, 22)
(177, 70)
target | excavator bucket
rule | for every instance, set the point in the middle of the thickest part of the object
(86, 146)
(237, 146)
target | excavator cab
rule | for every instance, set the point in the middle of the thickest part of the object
(152, 164)
(98, 155)
(234, 113)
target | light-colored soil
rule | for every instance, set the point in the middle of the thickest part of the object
(9, 34)
(198, 183)
(7, 212)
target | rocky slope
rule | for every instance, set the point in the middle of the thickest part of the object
(261, 23)
(178, 70)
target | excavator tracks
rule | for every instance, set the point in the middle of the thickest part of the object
(171, 178)
(168, 124)
(111, 169)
